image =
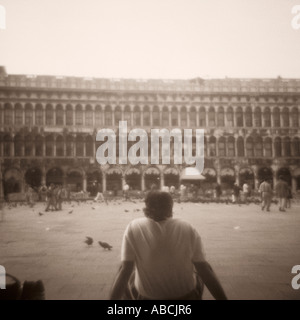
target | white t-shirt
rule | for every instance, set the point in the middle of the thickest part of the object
(164, 253)
(245, 188)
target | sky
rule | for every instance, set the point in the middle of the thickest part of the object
(150, 39)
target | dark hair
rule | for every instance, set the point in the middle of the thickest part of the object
(159, 205)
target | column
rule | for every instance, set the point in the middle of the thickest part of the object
(84, 182)
(103, 182)
(294, 184)
(143, 182)
(1, 183)
(162, 180)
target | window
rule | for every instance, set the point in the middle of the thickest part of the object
(69, 115)
(250, 147)
(267, 117)
(174, 116)
(78, 116)
(277, 147)
(127, 116)
(108, 116)
(69, 146)
(239, 117)
(118, 115)
(268, 147)
(211, 117)
(183, 117)
(28, 145)
(202, 117)
(18, 146)
(221, 122)
(258, 147)
(240, 147)
(165, 117)
(222, 148)
(59, 146)
(38, 146)
(6, 145)
(89, 146)
(229, 117)
(98, 116)
(257, 117)
(8, 114)
(285, 117)
(59, 115)
(39, 115)
(156, 116)
(212, 146)
(193, 117)
(89, 116)
(49, 146)
(136, 116)
(18, 115)
(276, 117)
(287, 147)
(79, 146)
(49, 115)
(295, 117)
(248, 117)
(28, 115)
(146, 120)
(230, 147)
(296, 147)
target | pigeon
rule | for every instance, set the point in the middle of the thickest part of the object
(93, 208)
(70, 211)
(126, 210)
(105, 245)
(89, 241)
(40, 213)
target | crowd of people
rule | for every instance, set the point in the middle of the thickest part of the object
(54, 194)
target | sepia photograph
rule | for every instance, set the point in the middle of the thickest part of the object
(149, 150)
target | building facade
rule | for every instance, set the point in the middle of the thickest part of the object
(48, 128)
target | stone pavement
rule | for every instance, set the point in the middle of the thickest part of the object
(251, 251)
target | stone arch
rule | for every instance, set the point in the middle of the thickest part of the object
(152, 177)
(55, 176)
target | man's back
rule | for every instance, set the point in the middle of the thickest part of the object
(164, 253)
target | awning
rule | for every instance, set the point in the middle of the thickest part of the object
(191, 174)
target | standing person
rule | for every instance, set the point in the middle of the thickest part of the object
(281, 189)
(246, 192)
(218, 192)
(126, 191)
(169, 264)
(182, 191)
(265, 190)
(50, 198)
(100, 195)
(236, 193)
(289, 197)
(59, 197)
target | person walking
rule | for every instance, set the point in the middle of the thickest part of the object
(169, 263)
(265, 190)
(246, 192)
(281, 189)
(236, 193)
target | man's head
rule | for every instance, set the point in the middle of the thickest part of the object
(159, 205)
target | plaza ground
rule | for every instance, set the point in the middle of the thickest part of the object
(251, 251)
